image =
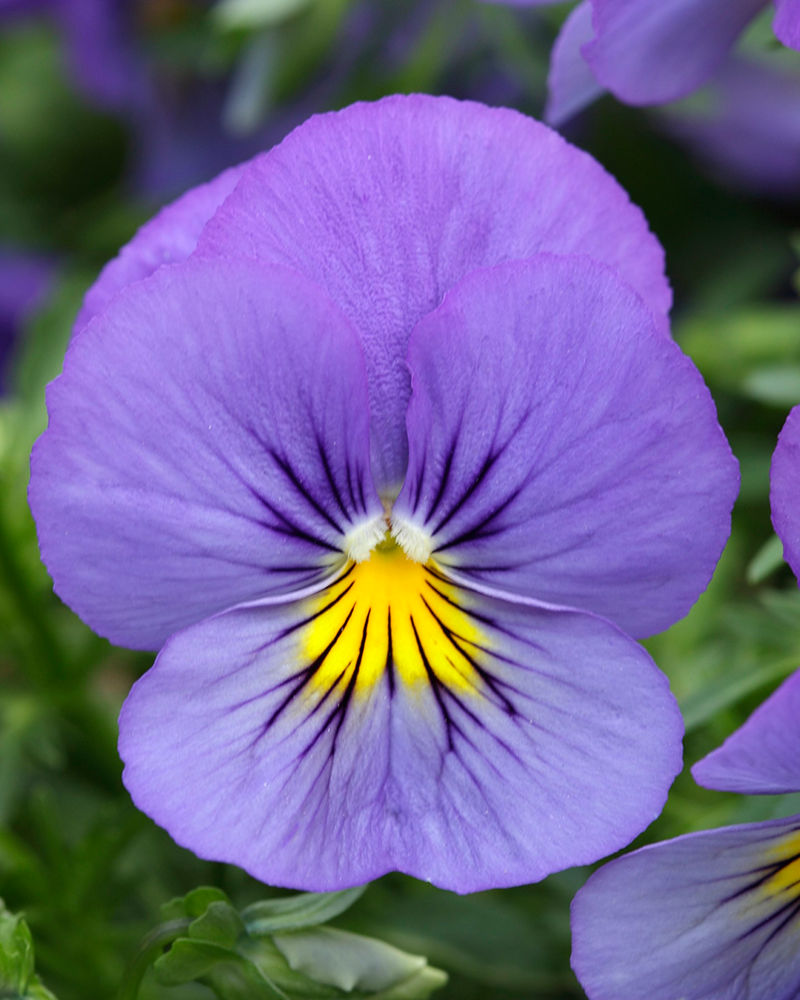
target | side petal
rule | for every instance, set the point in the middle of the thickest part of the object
(388, 205)
(787, 22)
(398, 722)
(709, 916)
(651, 53)
(571, 85)
(562, 448)
(207, 445)
(785, 488)
(763, 756)
(168, 238)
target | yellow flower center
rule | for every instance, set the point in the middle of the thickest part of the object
(389, 615)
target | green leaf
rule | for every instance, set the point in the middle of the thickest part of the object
(307, 909)
(189, 960)
(220, 924)
(194, 904)
(418, 987)
(348, 961)
(233, 15)
(17, 978)
(768, 558)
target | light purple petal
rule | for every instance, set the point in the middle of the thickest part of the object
(484, 744)
(787, 22)
(654, 51)
(709, 916)
(571, 84)
(562, 448)
(388, 205)
(168, 238)
(207, 445)
(748, 128)
(763, 756)
(785, 489)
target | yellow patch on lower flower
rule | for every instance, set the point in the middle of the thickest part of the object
(391, 615)
(786, 878)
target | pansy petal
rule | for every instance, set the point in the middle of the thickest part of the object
(571, 84)
(763, 756)
(709, 916)
(208, 444)
(562, 448)
(787, 22)
(388, 205)
(648, 52)
(395, 721)
(785, 489)
(167, 238)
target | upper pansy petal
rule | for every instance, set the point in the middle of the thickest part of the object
(562, 448)
(785, 488)
(396, 721)
(709, 916)
(763, 755)
(571, 84)
(207, 445)
(388, 205)
(787, 22)
(651, 53)
(168, 238)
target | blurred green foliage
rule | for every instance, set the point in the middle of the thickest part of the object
(89, 872)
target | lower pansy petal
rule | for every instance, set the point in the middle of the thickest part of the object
(395, 721)
(763, 756)
(562, 447)
(651, 53)
(207, 445)
(709, 916)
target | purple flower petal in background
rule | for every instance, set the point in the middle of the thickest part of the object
(340, 693)
(746, 126)
(787, 22)
(24, 280)
(571, 84)
(713, 915)
(648, 52)
(708, 916)
(763, 756)
(651, 53)
(785, 489)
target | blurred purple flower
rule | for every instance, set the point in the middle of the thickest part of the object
(712, 915)
(650, 51)
(24, 280)
(746, 127)
(385, 462)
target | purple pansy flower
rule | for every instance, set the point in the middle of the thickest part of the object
(713, 915)
(650, 51)
(385, 461)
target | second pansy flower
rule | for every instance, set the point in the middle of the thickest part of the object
(385, 463)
